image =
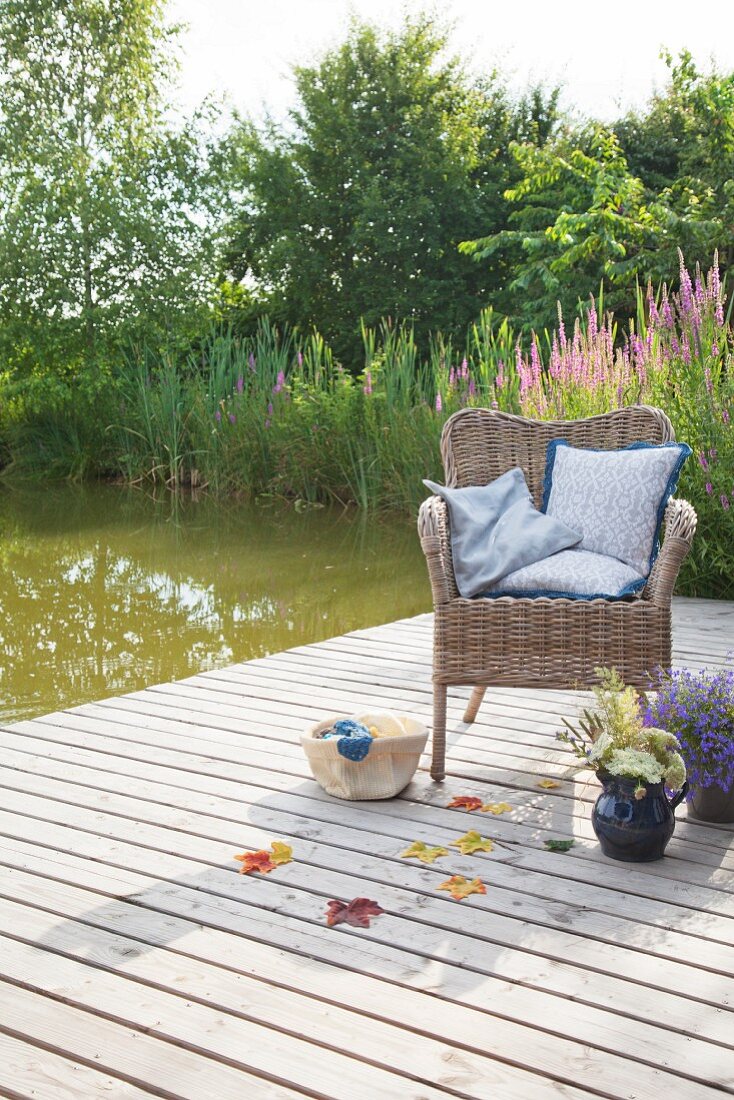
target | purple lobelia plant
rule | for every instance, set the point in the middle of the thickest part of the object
(698, 707)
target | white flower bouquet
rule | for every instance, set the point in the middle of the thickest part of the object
(613, 741)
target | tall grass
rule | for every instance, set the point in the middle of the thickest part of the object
(275, 414)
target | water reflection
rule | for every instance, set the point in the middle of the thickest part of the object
(104, 590)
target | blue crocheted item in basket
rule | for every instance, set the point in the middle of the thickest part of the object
(354, 748)
(349, 727)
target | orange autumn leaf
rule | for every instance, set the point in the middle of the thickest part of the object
(460, 887)
(264, 861)
(468, 802)
(496, 808)
(472, 842)
(255, 861)
(548, 784)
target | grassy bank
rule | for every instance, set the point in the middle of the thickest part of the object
(275, 414)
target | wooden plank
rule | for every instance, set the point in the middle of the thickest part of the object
(108, 1046)
(369, 1038)
(420, 803)
(235, 802)
(418, 920)
(27, 1071)
(455, 1070)
(224, 1038)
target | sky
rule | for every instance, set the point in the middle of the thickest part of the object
(245, 49)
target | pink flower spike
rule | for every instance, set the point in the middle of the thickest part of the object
(439, 403)
(367, 382)
(709, 488)
(724, 502)
(240, 384)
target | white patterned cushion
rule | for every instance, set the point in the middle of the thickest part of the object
(615, 499)
(578, 574)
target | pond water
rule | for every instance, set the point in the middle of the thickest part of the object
(104, 590)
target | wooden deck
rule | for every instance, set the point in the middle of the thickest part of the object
(135, 961)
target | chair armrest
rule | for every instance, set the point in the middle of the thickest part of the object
(680, 527)
(435, 536)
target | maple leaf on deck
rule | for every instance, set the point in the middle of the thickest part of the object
(420, 850)
(282, 852)
(460, 887)
(256, 861)
(548, 784)
(558, 845)
(468, 802)
(496, 808)
(264, 861)
(357, 912)
(472, 842)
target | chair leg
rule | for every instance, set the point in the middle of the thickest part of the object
(438, 761)
(474, 704)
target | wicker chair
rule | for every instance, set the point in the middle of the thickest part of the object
(551, 643)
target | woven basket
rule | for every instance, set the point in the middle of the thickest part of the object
(385, 771)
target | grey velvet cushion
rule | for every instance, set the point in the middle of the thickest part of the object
(496, 529)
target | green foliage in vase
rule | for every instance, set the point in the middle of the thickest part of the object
(613, 739)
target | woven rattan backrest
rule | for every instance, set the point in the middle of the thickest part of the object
(477, 445)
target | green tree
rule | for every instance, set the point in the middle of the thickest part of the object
(356, 209)
(103, 199)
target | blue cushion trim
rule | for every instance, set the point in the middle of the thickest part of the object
(536, 594)
(550, 458)
(671, 486)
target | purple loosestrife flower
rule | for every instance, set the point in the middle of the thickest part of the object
(725, 415)
(270, 408)
(667, 311)
(500, 379)
(685, 294)
(439, 403)
(251, 362)
(652, 308)
(593, 321)
(240, 384)
(279, 382)
(367, 382)
(709, 488)
(472, 388)
(724, 502)
(232, 418)
(464, 368)
(707, 376)
(452, 378)
(702, 461)
(300, 359)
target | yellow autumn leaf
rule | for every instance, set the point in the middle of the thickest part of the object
(282, 852)
(496, 808)
(547, 784)
(460, 887)
(472, 842)
(420, 850)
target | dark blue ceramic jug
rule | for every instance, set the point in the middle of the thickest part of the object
(631, 829)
